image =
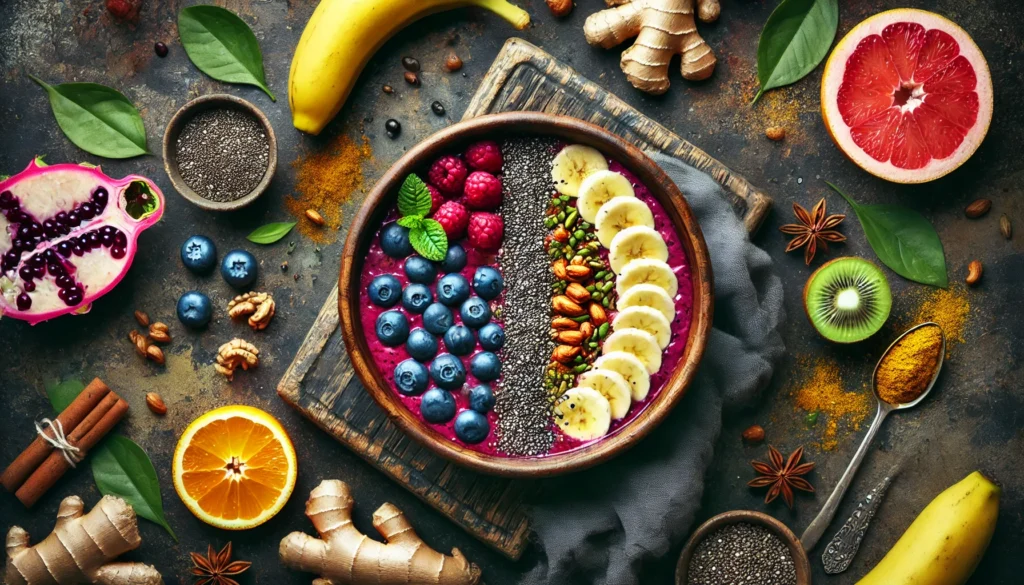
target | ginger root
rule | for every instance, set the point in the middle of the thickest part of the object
(80, 548)
(346, 556)
(663, 28)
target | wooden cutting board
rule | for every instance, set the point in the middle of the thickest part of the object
(320, 381)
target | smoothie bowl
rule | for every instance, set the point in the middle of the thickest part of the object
(525, 294)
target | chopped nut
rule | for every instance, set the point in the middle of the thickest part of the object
(978, 208)
(597, 315)
(314, 216)
(560, 8)
(569, 337)
(563, 305)
(259, 306)
(775, 133)
(234, 353)
(560, 234)
(559, 269)
(974, 270)
(754, 434)
(156, 354)
(156, 404)
(586, 329)
(564, 354)
(1005, 227)
(142, 318)
(577, 273)
(564, 323)
(577, 292)
(453, 62)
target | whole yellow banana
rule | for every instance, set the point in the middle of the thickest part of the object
(946, 541)
(340, 38)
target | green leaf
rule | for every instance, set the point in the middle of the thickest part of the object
(411, 221)
(98, 119)
(222, 46)
(795, 39)
(903, 240)
(62, 394)
(270, 233)
(429, 240)
(121, 468)
(413, 197)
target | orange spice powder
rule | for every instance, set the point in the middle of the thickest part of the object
(950, 308)
(822, 391)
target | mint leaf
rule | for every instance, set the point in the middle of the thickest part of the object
(413, 197)
(411, 221)
(429, 240)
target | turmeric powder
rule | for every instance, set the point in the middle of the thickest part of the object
(822, 392)
(325, 180)
(907, 370)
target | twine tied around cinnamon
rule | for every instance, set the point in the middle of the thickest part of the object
(71, 453)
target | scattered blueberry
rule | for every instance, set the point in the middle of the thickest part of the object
(419, 269)
(385, 290)
(437, 406)
(471, 427)
(459, 340)
(481, 398)
(194, 309)
(238, 268)
(454, 259)
(452, 289)
(411, 377)
(416, 297)
(392, 328)
(394, 240)
(487, 282)
(475, 312)
(485, 366)
(437, 318)
(421, 345)
(492, 337)
(199, 254)
(448, 371)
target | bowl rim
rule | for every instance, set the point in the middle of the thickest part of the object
(570, 129)
(173, 129)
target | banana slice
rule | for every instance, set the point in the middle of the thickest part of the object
(648, 295)
(648, 319)
(647, 271)
(583, 414)
(636, 242)
(612, 386)
(637, 342)
(618, 214)
(573, 164)
(599, 188)
(630, 368)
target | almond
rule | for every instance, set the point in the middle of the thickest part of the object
(314, 216)
(559, 269)
(564, 324)
(577, 292)
(577, 273)
(142, 318)
(564, 354)
(586, 329)
(159, 336)
(563, 305)
(978, 208)
(156, 354)
(156, 404)
(1005, 227)
(158, 326)
(597, 315)
(754, 434)
(570, 337)
(974, 270)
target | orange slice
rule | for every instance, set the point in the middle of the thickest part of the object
(234, 467)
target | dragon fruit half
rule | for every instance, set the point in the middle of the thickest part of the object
(68, 234)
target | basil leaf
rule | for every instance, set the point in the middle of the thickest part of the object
(222, 46)
(62, 394)
(429, 240)
(795, 39)
(121, 468)
(411, 221)
(903, 240)
(270, 233)
(413, 197)
(97, 119)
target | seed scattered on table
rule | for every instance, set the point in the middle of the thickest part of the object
(741, 554)
(222, 154)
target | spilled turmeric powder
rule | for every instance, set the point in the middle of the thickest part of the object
(950, 308)
(324, 181)
(822, 391)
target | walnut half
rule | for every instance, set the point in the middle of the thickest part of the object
(258, 306)
(235, 353)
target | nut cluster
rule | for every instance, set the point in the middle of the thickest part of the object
(145, 344)
(235, 353)
(258, 306)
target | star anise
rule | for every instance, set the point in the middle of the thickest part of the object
(217, 568)
(782, 475)
(814, 230)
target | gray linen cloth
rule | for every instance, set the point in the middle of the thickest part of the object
(599, 526)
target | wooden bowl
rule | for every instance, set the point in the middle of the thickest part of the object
(202, 104)
(452, 139)
(803, 566)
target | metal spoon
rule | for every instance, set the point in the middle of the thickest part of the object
(817, 526)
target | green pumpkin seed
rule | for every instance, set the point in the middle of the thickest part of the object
(600, 274)
(572, 241)
(602, 330)
(581, 318)
(607, 286)
(597, 296)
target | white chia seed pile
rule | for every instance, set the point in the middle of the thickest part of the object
(741, 554)
(521, 402)
(222, 154)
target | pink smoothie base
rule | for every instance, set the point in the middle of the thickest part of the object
(386, 358)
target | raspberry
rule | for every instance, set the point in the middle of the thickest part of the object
(448, 174)
(484, 156)
(486, 231)
(482, 191)
(454, 218)
(436, 199)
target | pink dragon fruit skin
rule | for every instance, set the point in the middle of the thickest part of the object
(68, 234)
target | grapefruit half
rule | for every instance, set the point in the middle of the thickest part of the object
(907, 95)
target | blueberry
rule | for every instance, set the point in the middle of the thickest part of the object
(416, 298)
(485, 366)
(199, 254)
(392, 328)
(487, 282)
(411, 377)
(194, 309)
(471, 427)
(459, 340)
(437, 406)
(481, 398)
(422, 346)
(454, 259)
(448, 371)
(394, 240)
(492, 337)
(238, 268)
(419, 269)
(452, 289)
(385, 290)
(437, 318)
(475, 312)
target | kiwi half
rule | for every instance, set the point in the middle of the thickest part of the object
(847, 299)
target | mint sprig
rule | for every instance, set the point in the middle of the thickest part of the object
(427, 236)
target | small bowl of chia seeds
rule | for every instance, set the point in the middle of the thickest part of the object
(220, 152)
(743, 546)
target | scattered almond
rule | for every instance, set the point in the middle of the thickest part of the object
(411, 78)
(979, 208)
(570, 337)
(314, 216)
(974, 270)
(1005, 227)
(560, 8)
(159, 336)
(156, 404)
(559, 269)
(139, 341)
(563, 305)
(577, 292)
(564, 354)
(775, 133)
(159, 326)
(564, 323)
(156, 354)
(453, 62)
(586, 329)
(597, 315)
(142, 318)
(577, 273)
(754, 434)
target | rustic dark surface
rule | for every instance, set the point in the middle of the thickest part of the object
(972, 420)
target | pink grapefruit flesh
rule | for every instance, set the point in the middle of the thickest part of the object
(907, 95)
